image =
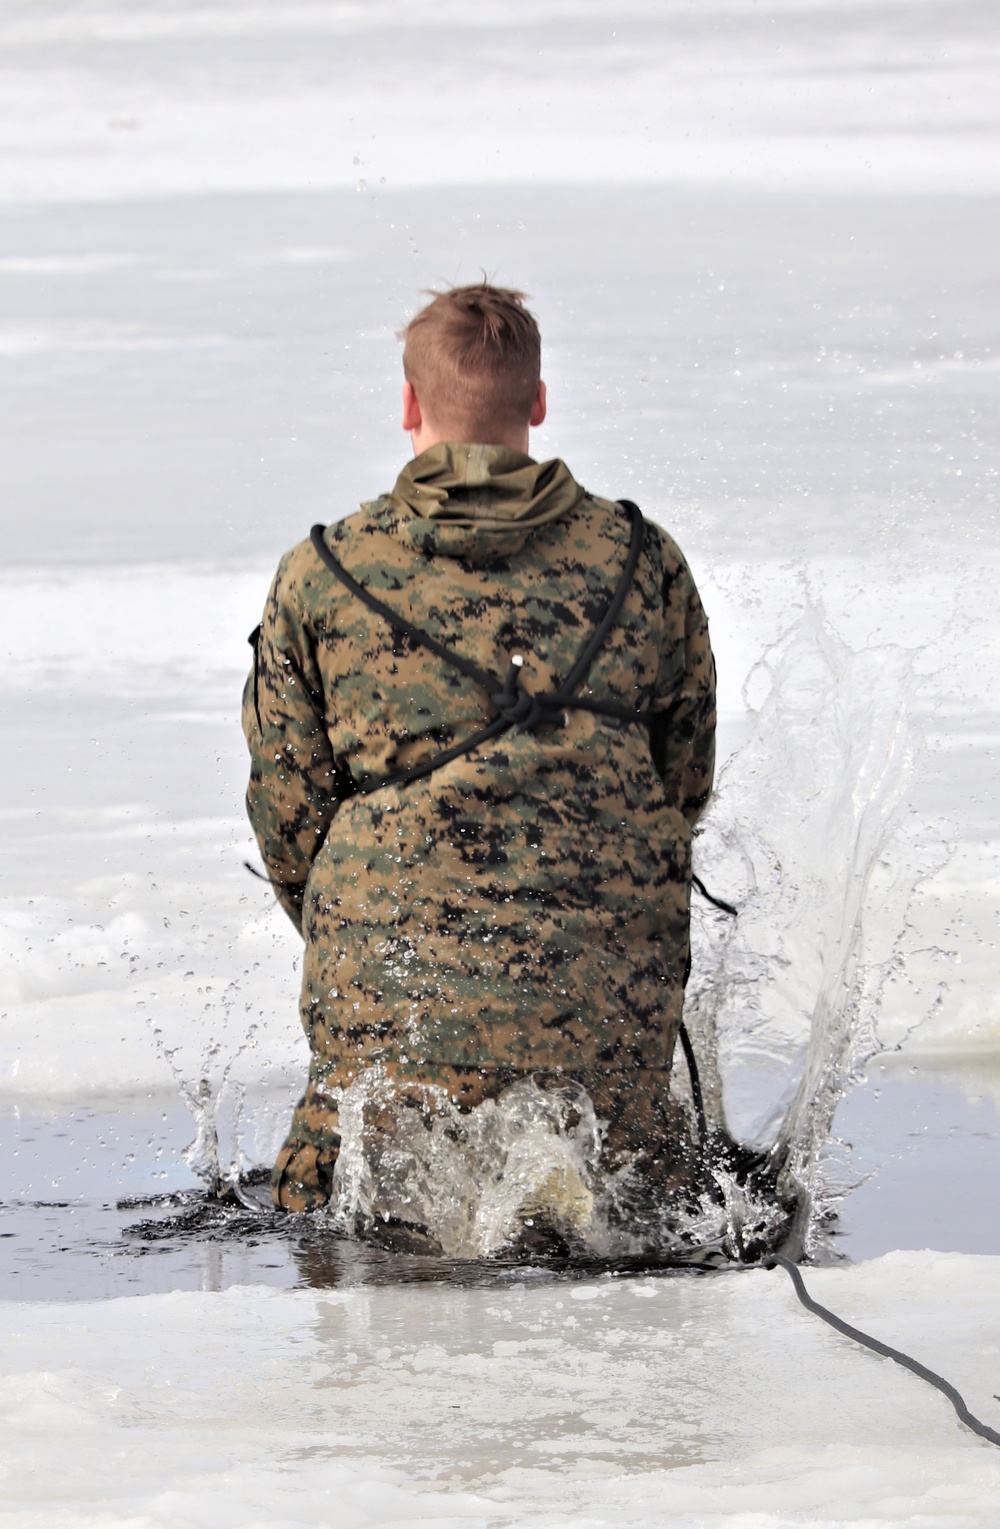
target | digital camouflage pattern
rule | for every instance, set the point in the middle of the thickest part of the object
(524, 908)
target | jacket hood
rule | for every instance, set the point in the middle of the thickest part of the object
(480, 501)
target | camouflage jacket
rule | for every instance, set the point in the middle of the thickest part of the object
(526, 904)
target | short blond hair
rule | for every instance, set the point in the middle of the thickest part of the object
(473, 357)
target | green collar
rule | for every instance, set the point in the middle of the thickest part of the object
(479, 502)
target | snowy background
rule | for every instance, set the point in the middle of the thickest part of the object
(761, 242)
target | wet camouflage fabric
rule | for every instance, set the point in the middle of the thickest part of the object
(526, 907)
(642, 1125)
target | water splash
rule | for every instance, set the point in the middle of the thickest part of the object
(237, 1119)
(808, 835)
(467, 1181)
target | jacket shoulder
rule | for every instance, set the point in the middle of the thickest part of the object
(300, 569)
(660, 546)
(670, 554)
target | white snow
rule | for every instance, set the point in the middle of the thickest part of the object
(625, 1402)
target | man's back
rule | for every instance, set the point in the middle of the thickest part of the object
(523, 908)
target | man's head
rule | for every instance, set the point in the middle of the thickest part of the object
(471, 361)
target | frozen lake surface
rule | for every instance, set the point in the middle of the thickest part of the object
(762, 250)
(695, 1401)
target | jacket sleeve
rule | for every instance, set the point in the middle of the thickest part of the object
(292, 796)
(682, 726)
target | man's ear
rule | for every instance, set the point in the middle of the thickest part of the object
(539, 406)
(412, 418)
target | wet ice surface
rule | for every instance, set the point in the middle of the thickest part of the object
(201, 269)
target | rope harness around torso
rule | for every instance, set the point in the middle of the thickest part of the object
(516, 706)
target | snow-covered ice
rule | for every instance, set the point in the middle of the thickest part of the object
(761, 243)
(619, 1402)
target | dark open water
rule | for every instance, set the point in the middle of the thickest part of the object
(73, 1225)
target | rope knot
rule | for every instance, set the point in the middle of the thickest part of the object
(518, 706)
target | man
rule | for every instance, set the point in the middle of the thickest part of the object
(491, 875)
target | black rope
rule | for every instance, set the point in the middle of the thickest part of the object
(697, 1097)
(277, 887)
(715, 901)
(878, 1347)
(516, 706)
(581, 668)
(482, 677)
(991, 1435)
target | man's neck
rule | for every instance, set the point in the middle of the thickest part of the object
(426, 436)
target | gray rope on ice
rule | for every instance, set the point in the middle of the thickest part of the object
(878, 1347)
